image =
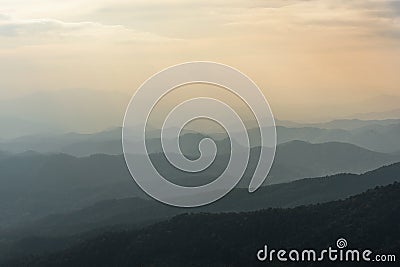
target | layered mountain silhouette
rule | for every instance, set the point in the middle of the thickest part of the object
(86, 110)
(138, 213)
(52, 183)
(106, 142)
(72, 193)
(381, 136)
(344, 124)
(373, 137)
(367, 221)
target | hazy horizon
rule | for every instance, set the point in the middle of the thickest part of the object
(314, 61)
(90, 111)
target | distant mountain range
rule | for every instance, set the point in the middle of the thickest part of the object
(46, 184)
(367, 221)
(12, 127)
(380, 115)
(44, 112)
(374, 137)
(106, 142)
(87, 111)
(344, 124)
(380, 136)
(65, 186)
(312, 160)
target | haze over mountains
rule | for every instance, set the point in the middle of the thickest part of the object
(377, 135)
(73, 110)
(373, 137)
(139, 212)
(57, 184)
(89, 111)
(305, 151)
(48, 183)
(344, 124)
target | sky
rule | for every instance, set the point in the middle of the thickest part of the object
(301, 53)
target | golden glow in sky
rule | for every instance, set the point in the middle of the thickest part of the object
(300, 53)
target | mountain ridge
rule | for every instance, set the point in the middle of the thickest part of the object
(234, 238)
(137, 211)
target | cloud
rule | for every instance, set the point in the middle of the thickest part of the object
(40, 26)
(351, 18)
(367, 17)
(52, 29)
(325, 47)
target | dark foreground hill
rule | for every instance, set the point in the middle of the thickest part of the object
(368, 221)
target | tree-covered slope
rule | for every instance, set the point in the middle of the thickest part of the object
(369, 220)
